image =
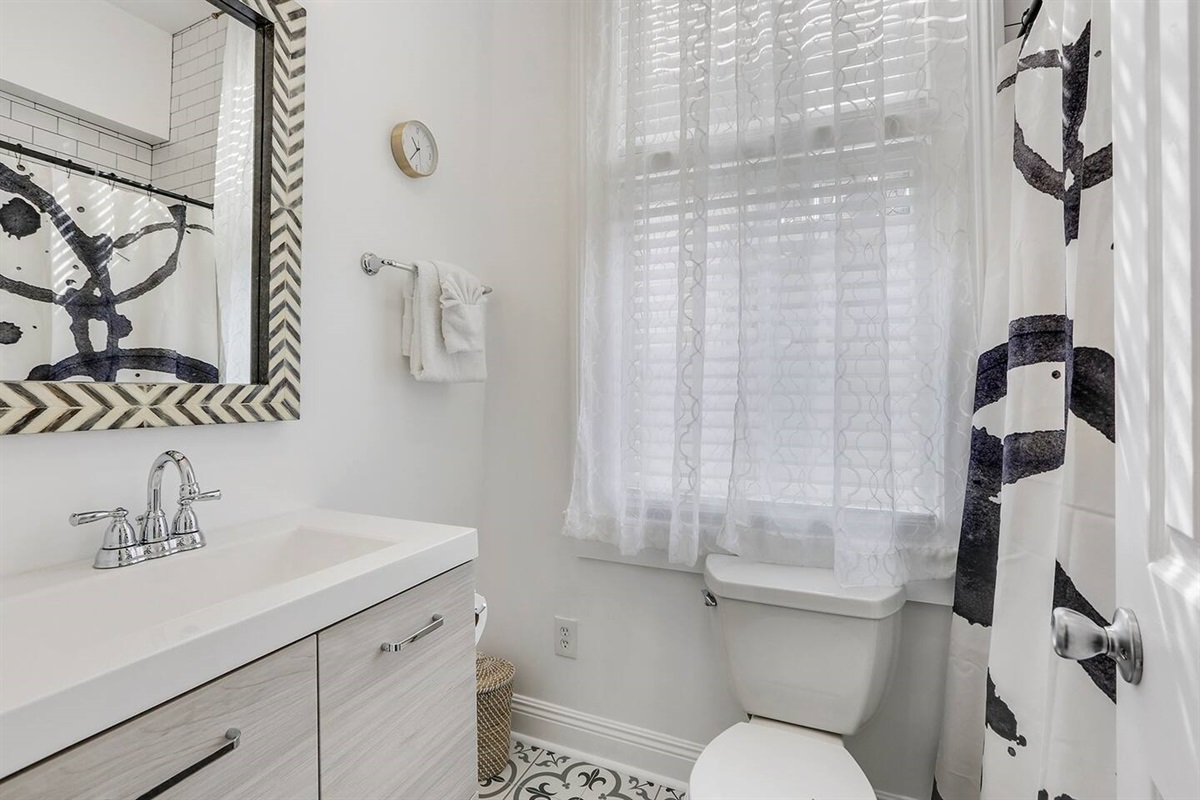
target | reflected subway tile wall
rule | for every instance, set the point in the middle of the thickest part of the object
(185, 164)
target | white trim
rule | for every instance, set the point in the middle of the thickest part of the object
(890, 796)
(935, 592)
(654, 559)
(647, 754)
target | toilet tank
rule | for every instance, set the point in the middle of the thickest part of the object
(801, 648)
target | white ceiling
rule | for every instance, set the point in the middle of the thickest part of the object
(171, 16)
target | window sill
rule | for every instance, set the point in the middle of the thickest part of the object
(939, 592)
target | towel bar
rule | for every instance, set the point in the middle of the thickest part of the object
(371, 264)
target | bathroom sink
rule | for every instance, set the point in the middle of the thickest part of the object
(81, 611)
(82, 649)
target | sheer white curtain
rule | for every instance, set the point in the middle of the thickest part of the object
(776, 314)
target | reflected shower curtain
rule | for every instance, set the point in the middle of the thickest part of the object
(233, 202)
(102, 282)
(1038, 526)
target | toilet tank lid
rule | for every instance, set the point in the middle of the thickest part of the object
(805, 588)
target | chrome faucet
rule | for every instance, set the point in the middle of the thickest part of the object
(122, 547)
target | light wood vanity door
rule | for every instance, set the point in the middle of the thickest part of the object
(401, 724)
(272, 701)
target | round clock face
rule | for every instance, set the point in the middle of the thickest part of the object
(418, 155)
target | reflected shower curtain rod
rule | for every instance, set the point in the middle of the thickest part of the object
(28, 152)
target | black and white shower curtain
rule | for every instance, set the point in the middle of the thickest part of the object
(100, 282)
(1038, 527)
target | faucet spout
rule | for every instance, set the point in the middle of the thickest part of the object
(187, 479)
(155, 535)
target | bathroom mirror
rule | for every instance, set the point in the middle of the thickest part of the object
(150, 178)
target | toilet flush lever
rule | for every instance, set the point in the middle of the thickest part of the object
(710, 599)
(1078, 638)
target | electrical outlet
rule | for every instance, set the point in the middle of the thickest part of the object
(566, 632)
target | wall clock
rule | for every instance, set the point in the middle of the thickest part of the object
(414, 149)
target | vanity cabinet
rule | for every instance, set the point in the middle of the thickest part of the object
(401, 724)
(392, 724)
(272, 701)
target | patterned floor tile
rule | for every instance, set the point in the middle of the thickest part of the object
(672, 794)
(536, 774)
(520, 757)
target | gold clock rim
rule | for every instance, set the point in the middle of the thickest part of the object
(399, 156)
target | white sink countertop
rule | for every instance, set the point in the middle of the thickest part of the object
(83, 649)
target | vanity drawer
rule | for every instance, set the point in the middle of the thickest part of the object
(401, 724)
(272, 701)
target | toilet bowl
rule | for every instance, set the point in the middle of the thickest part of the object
(808, 660)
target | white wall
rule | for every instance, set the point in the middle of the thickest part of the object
(491, 80)
(90, 59)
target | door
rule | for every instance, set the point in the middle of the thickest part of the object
(1156, 143)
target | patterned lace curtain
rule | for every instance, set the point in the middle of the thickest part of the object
(777, 324)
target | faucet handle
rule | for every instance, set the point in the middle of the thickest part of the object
(211, 494)
(84, 517)
(119, 534)
(120, 545)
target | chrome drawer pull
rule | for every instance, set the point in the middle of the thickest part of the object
(396, 647)
(233, 737)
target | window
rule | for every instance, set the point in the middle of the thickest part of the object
(776, 266)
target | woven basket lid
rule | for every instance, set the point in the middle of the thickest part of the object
(492, 673)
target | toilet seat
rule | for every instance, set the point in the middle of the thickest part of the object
(764, 760)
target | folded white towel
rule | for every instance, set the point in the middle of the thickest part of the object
(462, 309)
(406, 313)
(421, 333)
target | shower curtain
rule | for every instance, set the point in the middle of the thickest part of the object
(1038, 527)
(102, 282)
(233, 202)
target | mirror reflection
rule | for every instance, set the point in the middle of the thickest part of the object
(127, 192)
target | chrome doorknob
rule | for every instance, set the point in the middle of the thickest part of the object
(1076, 637)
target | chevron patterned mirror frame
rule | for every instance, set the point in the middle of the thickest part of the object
(45, 407)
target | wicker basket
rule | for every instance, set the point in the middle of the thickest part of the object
(493, 700)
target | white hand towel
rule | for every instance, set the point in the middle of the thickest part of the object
(428, 358)
(462, 309)
(407, 282)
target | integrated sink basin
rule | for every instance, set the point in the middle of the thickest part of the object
(83, 649)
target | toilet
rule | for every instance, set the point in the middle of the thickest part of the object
(808, 660)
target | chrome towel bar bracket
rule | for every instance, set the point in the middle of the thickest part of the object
(372, 264)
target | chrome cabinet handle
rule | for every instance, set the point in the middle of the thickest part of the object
(233, 738)
(1076, 637)
(396, 647)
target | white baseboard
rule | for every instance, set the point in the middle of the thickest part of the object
(890, 796)
(643, 753)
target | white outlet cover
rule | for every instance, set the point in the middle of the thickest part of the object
(566, 632)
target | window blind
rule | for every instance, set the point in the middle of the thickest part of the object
(809, 188)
